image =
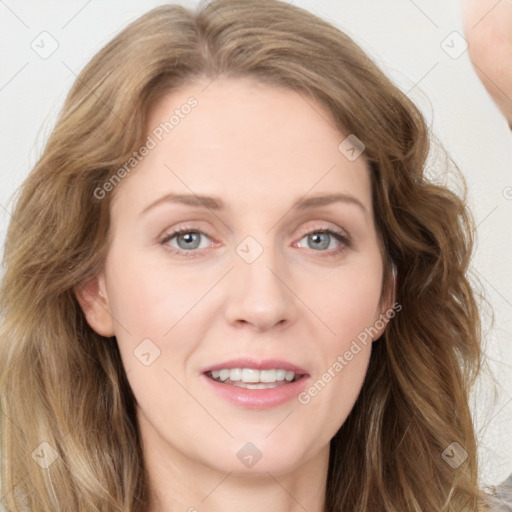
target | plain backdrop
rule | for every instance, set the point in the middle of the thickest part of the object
(419, 44)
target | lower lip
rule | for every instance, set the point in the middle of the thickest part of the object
(257, 398)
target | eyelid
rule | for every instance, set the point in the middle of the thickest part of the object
(169, 234)
(325, 227)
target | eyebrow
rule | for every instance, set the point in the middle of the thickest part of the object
(216, 203)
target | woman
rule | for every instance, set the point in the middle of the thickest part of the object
(317, 347)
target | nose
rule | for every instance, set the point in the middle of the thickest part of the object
(261, 294)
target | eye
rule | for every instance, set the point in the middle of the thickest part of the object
(187, 240)
(327, 238)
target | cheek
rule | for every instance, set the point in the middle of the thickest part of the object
(351, 300)
(153, 307)
(352, 314)
(348, 303)
(147, 299)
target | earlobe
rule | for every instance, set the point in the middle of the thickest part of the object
(93, 299)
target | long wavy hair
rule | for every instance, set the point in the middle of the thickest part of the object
(64, 392)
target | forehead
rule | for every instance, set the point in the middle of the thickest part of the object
(245, 141)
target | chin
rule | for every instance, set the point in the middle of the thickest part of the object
(259, 457)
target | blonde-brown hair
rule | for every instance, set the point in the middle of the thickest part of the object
(64, 385)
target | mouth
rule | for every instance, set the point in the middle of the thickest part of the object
(252, 378)
(255, 383)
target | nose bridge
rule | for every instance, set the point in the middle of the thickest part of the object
(259, 295)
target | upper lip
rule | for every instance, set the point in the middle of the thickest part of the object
(257, 364)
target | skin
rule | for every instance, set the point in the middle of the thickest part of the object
(488, 30)
(259, 148)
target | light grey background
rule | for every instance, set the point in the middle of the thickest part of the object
(405, 37)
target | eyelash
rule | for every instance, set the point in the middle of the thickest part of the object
(345, 240)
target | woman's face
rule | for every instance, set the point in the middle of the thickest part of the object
(265, 275)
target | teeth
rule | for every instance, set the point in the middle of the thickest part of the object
(235, 374)
(268, 376)
(224, 374)
(267, 385)
(252, 376)
(280, 374)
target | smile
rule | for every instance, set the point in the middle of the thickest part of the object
(251, 378)
(255, 384)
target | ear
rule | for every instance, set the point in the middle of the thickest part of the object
(93, 299)
(387, 306)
